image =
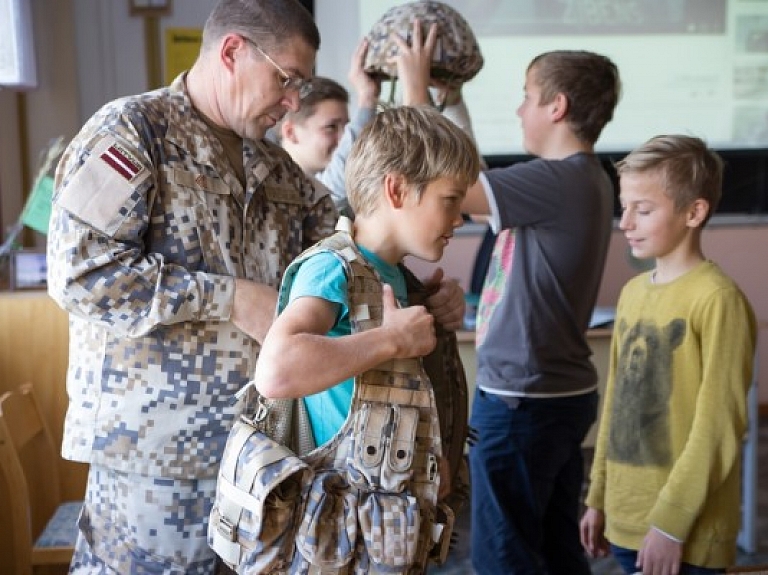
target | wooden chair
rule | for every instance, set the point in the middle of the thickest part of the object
(44, 529)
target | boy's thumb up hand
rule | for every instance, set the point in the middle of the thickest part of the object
(411, 329)
(388, 299)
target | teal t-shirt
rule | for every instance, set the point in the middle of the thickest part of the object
(322, 275)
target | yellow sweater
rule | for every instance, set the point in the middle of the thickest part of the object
(674, 415)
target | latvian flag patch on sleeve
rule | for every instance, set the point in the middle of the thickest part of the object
(122, 161)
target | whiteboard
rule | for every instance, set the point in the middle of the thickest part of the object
(698, 67)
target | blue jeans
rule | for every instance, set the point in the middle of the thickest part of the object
(627, 558)
(526, 476)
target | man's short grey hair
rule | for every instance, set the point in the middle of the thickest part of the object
(266, 22)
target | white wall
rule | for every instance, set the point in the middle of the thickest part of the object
(110, 47)
(29, 119)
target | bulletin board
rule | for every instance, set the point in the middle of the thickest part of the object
(181, 48)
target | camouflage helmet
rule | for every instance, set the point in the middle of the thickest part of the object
(456, 58)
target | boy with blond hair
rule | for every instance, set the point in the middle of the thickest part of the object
(406, 177)
(536, 394)
(665, 481)
(344, 336)
(319, 138)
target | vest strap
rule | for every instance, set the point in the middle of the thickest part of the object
(395, 395)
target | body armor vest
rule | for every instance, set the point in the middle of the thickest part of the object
(365, 502)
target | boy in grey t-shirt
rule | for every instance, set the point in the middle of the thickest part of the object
(536, 386)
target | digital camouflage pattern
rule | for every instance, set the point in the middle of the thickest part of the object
(368, 496)
(457, 57)
(119, 525)
(449, 382)
(144, 258)
(150, 226)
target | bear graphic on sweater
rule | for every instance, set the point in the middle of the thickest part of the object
(639, 432)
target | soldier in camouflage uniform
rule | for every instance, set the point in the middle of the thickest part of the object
(173, 222)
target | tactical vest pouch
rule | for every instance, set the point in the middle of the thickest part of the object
(404, 423)
(382, 465)
(328, 529)
(383, 458)
(258, 491)
(390, 525)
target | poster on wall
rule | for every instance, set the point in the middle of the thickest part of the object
(181, 48)
(17, 54)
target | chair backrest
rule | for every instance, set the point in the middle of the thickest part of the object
(29, 462)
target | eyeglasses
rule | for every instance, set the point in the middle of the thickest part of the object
(287, 82)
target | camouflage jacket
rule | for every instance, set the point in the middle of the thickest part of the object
(150, 227)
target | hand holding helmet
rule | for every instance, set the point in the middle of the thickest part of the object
(456, 56)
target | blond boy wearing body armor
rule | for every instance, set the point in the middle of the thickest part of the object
(346, 342)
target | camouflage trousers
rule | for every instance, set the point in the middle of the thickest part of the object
(137, 525)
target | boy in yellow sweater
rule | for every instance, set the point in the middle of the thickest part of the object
(665, 482)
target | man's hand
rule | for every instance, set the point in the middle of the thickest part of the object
(659, 555)
(366, 87)
(447, 300)
(254, 308)
(412, 328)
(592, 529)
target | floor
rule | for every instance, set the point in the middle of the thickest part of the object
(458, 562)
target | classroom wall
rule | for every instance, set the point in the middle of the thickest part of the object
(30, 119)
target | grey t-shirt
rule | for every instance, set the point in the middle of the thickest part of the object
(555, 218)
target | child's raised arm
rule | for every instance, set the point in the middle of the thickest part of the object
(298, 358)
